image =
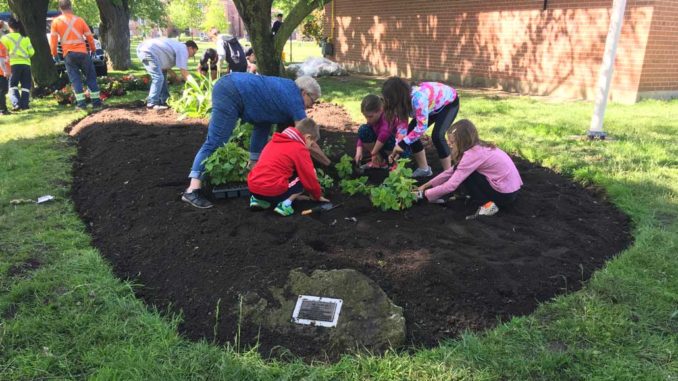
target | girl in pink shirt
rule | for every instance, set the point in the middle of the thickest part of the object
(376, 135)
(486, 171)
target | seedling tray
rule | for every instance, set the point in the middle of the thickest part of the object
(230, 191)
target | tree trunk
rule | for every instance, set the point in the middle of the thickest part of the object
(256, 14)
(33, 15)
(114, 32)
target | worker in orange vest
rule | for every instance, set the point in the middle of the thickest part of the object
(4, 74)
(73, 31)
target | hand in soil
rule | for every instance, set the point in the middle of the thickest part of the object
(323, 199)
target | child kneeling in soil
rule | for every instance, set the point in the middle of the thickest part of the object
(487, 172)
(376, 135)
(274, 181)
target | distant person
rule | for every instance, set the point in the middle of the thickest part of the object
(488, 173)
(20, 50)
(235, 56)
(251, 61)
(255, 99)
(159, 55)
(277, 23)
(285, 170)
(77, 45)
(208, 63)
(4, 75)
(427, 104)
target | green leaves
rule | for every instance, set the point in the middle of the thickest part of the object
(228, 164)
(196, 99)
(326, 181)
(355, 186)
(396, 191)
(344, 166)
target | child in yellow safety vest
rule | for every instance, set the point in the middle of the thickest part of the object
(20, 52)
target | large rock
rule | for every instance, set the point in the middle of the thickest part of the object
(368, 318)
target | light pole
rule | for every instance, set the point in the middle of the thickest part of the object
(606, 68)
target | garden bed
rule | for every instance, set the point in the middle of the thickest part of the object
(449, 274)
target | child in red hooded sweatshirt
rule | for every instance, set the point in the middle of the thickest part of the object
(285, 170)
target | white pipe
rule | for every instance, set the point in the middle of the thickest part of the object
(606, 69)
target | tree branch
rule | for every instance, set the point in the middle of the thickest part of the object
(302, 9)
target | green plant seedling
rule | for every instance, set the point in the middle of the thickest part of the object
(355, 186)
(344, 166)
(396, 191)
(228, 164)
(325, 180)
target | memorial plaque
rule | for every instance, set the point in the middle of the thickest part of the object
(317, 310)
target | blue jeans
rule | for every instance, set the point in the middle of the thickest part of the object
(77, 63)
(21, 75)
(158, 93)
(367, 135)
(227, 108)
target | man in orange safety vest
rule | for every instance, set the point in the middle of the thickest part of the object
(73, 32)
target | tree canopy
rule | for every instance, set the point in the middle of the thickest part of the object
(215, 16)
(185, 14)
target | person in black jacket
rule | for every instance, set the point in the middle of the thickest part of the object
(277, 24)
(208, 63)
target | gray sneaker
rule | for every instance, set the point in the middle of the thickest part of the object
(196, 199)
(422, 172)
(160, 107)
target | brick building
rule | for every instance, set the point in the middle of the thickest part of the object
(544, 47)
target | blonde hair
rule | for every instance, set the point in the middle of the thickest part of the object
(309, 127)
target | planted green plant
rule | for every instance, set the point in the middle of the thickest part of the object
(396, 191)
(326, 181)
(228, 164)
(333, 149)
(196, 99)
(344, 166)
(355, 186)
(242, 134)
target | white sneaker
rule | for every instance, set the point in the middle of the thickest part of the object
(422, 172)
(489, 209)
(160, 107)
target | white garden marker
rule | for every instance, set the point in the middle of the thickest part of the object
(605, 75)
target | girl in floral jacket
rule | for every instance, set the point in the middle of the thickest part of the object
(430, 103)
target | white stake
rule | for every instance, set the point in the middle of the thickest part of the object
(605, 75)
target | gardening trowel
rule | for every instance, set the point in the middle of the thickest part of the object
(324, 207)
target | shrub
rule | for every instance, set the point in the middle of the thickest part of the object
(228, 164)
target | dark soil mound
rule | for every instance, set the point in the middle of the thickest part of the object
(449, 274)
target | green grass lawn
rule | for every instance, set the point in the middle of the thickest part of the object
(64, 315)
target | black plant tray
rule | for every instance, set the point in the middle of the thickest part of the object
(230, 191)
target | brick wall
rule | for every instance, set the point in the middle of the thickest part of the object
(659, 76)
(513, 45)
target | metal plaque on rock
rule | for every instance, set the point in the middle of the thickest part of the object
(317, 310)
